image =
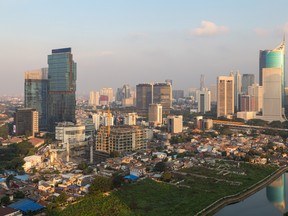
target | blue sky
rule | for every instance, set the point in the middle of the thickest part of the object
(127, 41)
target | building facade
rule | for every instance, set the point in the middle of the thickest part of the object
(61, 87)
(36, 94)
(272, 100)
(121, 139)
(274, 58)
(94, 98)
(155, 114)
(175, 124)
(225, 95)
(247, 80)
(256, 96)
(26, 122)
(144, 96)
(203, 97)
(162, 94)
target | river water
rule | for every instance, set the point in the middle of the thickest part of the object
(270, 201)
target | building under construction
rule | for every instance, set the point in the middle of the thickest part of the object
(121, 138)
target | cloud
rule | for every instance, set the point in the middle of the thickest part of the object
(262, 31)
(208, 28)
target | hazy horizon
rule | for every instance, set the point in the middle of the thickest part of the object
(127, 42)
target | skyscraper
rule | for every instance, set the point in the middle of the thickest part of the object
(62, 87)
(26, 121)
(155, 114)
(108, 92)
(225, 95)
(247, 80)
(144, 96)
(162, 94)
(272, 103)
(256, 96)
(237, 89)
(36, 93)
(94, 98)
(203, 98)
(274, 58)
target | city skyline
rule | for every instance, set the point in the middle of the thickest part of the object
(117, 43)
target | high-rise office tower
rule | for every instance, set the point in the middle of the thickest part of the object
(62, 87)
(256, 97)
(237, 89)
(36, 93)
(26, 121)
(245, 103)
(274, 58)
(272, 100)
(162, 94)
(144, 96)
(123, 93)
(203, 98)
(155, 114)
(247, 80)
(225, 95)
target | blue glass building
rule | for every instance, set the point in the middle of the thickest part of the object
(274, 58)
(61, 87)
(36, 94)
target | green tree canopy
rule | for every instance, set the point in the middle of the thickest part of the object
(100, 184)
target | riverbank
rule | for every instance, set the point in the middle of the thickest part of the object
(227, 200)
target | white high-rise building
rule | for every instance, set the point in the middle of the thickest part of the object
(225, 95)
(94, 98)
(175, 124)
(96, 120)
(272, 94)
(237, 89)
(155, 114)
(130, 119)
(203, 97)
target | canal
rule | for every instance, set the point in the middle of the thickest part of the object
(269, 201)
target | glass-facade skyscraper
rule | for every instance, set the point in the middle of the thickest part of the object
(61, 87)
(274, 58)
(36, 93)
(247, 80)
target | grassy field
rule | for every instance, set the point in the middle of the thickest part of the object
(148, 197)
(199, 187)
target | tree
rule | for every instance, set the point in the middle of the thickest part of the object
(100, 184)
(166, 176)
(117, 181)
(276, 124)
(62, 198)
(19, 195)
(160, 167)
(83, 165)
(5, 200)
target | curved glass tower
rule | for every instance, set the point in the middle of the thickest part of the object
(274, 58)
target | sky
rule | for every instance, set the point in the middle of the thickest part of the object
(116, 42)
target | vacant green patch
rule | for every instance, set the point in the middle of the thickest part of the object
(148, 197)
(197, 188)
